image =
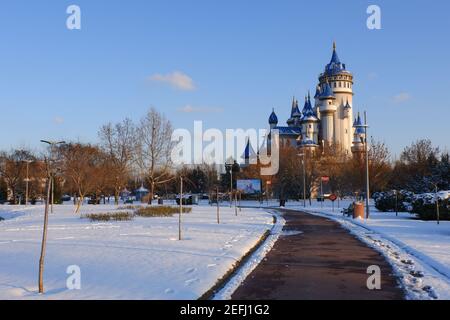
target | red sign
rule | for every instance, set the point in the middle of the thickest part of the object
(333, 197)
(325, 179)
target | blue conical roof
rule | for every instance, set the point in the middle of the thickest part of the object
(335, 66)
(327, 91)
(249, 153)
(308, 111)
(318, 92)
(273, 119)
(358, 125)
(347, 106)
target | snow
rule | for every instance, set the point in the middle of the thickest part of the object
(413, 247)
(139, 259)
(142, 259)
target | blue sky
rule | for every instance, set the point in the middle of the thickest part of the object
(240, 59)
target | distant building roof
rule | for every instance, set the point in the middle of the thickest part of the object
(289, 131)
(273, 119)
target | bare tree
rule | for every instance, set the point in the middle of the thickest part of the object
(117, 142)
(81, 164)
(13, 170)
(153, 148)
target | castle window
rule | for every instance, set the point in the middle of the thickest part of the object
(335, 84)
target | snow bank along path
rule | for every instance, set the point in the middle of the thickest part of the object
(139, 259)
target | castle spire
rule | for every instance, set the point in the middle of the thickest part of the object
(334, 45)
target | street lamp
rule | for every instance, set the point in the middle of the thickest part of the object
(436, 196)
(52, 144)
(44, 232)
(27, 180)
(364, 141)
(304, 178)
(229, 165)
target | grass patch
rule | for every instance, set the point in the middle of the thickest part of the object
(129, 207)
(114, 216)
(160, 211)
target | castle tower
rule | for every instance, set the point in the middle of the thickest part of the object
(340, 80)
(310, 125)
(358, 137)
(294, 120)
(327, 111)
(273, 119)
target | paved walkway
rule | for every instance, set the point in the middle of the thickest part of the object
(323, 262)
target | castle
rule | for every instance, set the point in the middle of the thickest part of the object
(330, 120)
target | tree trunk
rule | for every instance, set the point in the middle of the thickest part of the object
(116, 198)
(44, 241)
(152, 192)
(79, 203)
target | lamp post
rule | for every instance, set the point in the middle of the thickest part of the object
(229, 166)
(304, 178)
(52, 144)
(181, 208)
(27, 180)
(436, 196)
(44, 232)
(365, 142)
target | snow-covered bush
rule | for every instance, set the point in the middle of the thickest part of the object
(424, 205)
(115, 216)
(392, 200)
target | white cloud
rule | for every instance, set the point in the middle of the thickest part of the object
(191, 109)
(401, 97)
(176, 79)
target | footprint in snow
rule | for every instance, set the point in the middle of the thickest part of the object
(417, 274)
(408, 262)
(190, 270)
(211, 265)
(191, 281)
(168, 291)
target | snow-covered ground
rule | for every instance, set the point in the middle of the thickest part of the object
(139, 259)
(418, 250)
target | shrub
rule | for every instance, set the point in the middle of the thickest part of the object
(424, 205)
(160, 211)
(128, 207)
(385, 201)
(116, 216)
(1, 219)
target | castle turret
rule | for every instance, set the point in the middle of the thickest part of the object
(273, 119)
(296, 115)
(310, 124)
(327, 110)
(347, 110)
(341, 82)
(358, 136)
